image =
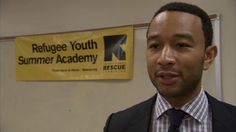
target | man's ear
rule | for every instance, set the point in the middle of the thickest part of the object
(210, 54)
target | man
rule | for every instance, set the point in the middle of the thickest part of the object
(179, 48)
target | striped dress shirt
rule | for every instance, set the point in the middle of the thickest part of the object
(198, 118)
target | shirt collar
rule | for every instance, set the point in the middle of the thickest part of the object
(197, 108)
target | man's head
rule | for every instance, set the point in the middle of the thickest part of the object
(194, 10)
(177, 52)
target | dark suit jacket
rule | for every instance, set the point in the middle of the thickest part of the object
(138, 117)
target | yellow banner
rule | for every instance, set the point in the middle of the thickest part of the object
(90, 55)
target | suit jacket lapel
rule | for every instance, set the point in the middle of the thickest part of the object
(141, 125)
(142, 122)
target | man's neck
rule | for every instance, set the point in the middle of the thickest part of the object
(179, 101)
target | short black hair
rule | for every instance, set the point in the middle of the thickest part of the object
(194, 10)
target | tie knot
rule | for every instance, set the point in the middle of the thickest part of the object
(175, 116)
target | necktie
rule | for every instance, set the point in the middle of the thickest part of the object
(175, 117)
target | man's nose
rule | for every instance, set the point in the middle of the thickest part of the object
(166, 56)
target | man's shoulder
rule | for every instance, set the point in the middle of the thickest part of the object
(139, 113)
(222, 112)
(231, 109)
(216, 104)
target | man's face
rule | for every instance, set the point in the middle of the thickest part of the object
(176, 54)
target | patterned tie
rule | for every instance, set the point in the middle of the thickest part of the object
(175, 117)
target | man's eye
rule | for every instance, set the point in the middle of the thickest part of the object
(155, 46)
(182, 45)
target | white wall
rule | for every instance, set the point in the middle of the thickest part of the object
(71, 106)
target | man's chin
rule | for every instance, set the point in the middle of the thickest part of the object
(170, 93)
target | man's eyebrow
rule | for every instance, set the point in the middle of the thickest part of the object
(177, 35)
(185, 36)
(152, 37)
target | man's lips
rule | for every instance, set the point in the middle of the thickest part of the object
(167, 77)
